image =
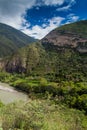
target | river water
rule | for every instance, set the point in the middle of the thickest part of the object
(8, 94)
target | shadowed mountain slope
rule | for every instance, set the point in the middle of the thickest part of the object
(11, 39)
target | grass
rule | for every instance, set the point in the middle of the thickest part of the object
(41, 115)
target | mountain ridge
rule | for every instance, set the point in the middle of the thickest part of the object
(62, 36)
(11, 39)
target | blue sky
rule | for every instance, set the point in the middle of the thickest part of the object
(37, 18)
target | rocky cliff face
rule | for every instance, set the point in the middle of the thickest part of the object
(60, 38)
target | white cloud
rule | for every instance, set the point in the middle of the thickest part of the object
(12, 12)
(72, 18)
(67, 7)
(53, 2)
(39, 32)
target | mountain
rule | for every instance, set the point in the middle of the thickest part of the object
(71, 35)
(61, 55)
(11, 39)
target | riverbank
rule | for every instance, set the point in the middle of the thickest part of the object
(8, 94)
(6, 88)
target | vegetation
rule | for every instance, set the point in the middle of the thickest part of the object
(43, 60)
(41, 115)
(77, 28)
(73, 94)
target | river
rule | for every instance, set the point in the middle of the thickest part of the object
(8, 94)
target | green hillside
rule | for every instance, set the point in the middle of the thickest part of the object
(79, 28)
(49, 61)
(11, 39)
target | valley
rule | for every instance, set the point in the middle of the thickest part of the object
(52, 73)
